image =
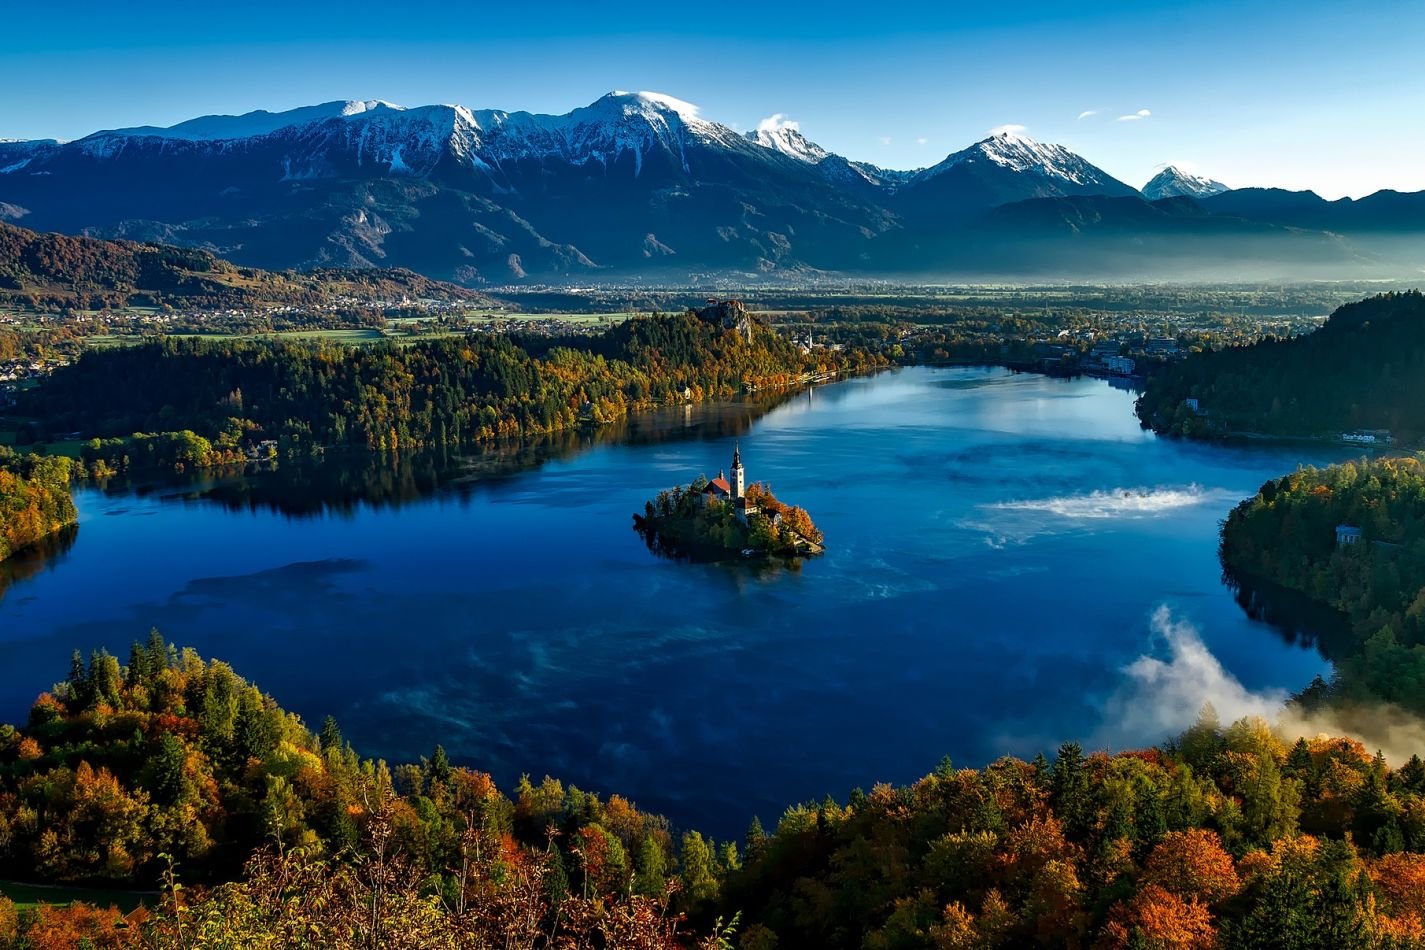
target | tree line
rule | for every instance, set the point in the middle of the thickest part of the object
(172, 770)
(449, 391)
(1286, 534)
(1364, 369)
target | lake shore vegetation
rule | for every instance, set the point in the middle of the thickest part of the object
(35, 500)
(203, 402)
(1352, 537)
(170, 773)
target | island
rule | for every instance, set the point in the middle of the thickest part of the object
(724, 518)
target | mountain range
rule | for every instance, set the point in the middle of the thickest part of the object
(641, 185)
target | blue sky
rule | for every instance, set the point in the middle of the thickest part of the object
(1309, 94)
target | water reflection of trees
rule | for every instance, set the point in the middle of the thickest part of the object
(343, 482)
(759, 568)
(1296, 618)
(670, 550)
(36, 558)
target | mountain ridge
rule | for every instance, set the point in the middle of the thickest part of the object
(628, 182)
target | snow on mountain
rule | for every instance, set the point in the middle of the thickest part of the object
(784, 136)
(1016, 152)
(391, 139)
(636, 123)
(620, 126)
(628, 181)
(781, 134)
(1173, 182)
(627, 130)
(17, 154)
(259, 122)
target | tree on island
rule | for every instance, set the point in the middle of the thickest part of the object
(702, 521)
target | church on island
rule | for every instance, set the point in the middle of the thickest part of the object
(731, 488)
(725, 517)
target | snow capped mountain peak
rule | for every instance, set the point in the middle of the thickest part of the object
(358, 106)
(1009, 133)
(1010, 148)
(1008, 166)
(647, 103)
(1019, 152)
(781, 134)
(1174, 182)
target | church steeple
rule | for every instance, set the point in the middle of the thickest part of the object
(738, 479)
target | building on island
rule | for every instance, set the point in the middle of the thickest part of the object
(1347, 534)
(731, 488)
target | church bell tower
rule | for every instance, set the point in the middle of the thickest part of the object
(737, 476)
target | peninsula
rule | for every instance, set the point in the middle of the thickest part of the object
(726, 517)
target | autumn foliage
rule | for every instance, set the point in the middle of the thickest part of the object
(34, 500)
(171, 772)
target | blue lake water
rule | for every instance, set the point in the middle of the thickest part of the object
(998, 545)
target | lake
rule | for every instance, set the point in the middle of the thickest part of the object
(1012, 562)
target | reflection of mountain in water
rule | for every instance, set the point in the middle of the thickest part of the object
(38, 557)
(344, 481)
(1296, 618)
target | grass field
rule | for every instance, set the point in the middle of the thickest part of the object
(28, 895)
(590, 318)
(69, 447)
(340, 336)
(399, 330)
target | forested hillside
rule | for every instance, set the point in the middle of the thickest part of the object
(1364, 369)
(1286, 534)
(446, 391)
(1227, 836)
(169, 762)
(53, 270)
(34, 500)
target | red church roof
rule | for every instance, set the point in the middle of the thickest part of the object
(718, 486)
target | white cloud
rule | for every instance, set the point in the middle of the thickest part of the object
(1010, 129)
(922, 141)
(778, 120)
(1135, 117)
(885, 140)
(1087, 113)
(1159, 697)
